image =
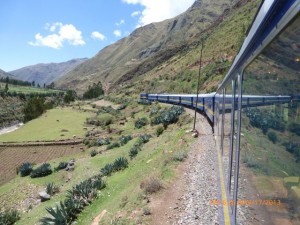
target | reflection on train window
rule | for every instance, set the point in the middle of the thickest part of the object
(270, 132)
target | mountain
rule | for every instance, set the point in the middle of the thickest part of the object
(5, 74)
(46, 72)
(167, 53)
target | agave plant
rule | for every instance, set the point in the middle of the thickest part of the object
(107, 170)
(144, 138)
(51, 188)
(73, 207)
(93, 153)
(9, 217)
(61, 166)
(25, 169)
(41, 171)
(133, 152)
(59, 216)
(97, 182)
(124, 139)
(120, 164)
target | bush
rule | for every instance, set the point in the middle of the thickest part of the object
(104, 119)
(51, 189)
(151, 185)
(25, 169)
(93, 91)
(140, 122)
(104, 141)
(295, 128)
(93, 153)
(9, 217)
(272, 136)
(159, 130)
(120, 164)
(125, 139)
(61, 166)
(180, 156)
(41, 171)
(144, 102)
(58, 214)
(167, 117)
(107, 170)
(113, 145)
(134, 151)
(144, 138)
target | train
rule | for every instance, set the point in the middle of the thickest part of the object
(206, 103)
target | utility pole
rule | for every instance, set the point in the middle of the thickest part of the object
(198, 86)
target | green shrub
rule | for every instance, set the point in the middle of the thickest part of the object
(144, 102)
(25, 169)
(93, 153)
(107, 170)
(167, 117)
(41, 171)
(120, 164)
(125, 139)
(140, 122)
(61, 166)
(144, 138)
(295, 128)
(9, 217)
(113, 145)
(105, 119)
(134, 151)
(272, 136)
(159, 130)
(51, 188)
(180, 156)
(58, 214)
(103, 141)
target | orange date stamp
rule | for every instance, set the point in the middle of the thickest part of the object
(247, 202)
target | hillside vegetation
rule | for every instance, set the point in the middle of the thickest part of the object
(167, 53)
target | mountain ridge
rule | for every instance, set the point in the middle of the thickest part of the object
(113, 61)
(45, 73)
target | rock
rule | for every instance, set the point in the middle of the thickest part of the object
(194, 135)
(71, 162)
(44, 196)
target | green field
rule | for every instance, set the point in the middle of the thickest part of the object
(27, 89)
(123, 192)
(50, 126)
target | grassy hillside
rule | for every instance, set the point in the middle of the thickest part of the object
(157, 158)
(179, 73)
(152, 46)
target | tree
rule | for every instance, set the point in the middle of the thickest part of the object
(69, 96)
(33, 84)
(33, 108)
(93, 91)
(6, 88)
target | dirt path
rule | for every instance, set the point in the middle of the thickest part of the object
(186, 200)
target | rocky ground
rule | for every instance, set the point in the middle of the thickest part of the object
(187, 201)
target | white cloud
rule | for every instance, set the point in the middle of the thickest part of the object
(135, 13)
(158, 10)
(60, 33)
(117, 33)
(98, 35)
(120, 23)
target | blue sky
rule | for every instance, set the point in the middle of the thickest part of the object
(44, 31)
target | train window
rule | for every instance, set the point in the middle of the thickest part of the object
(270, 133)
